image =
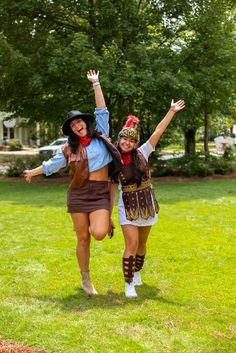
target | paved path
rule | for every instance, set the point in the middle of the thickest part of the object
(30, 151)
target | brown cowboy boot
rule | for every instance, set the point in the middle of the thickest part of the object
(86, 284)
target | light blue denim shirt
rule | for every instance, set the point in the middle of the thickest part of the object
(97, 152)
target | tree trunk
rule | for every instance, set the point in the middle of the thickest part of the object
(190, 146)
(206, 132)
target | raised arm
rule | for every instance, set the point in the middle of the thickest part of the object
(93, 77)
(174, 108)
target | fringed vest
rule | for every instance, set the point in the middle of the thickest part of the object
(139, 201)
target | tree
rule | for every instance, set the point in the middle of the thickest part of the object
(148, 52)
(47, 42)
(209, 59)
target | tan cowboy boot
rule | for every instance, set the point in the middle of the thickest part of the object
(86, 284)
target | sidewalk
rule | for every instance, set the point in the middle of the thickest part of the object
(24, 151)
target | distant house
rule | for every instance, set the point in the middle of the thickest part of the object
(16, 128)
(36, 134)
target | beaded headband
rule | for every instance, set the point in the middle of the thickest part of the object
(129, 132)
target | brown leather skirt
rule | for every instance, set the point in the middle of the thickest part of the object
(94, 195)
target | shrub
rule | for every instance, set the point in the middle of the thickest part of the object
(229, 153)
(15, 145)
(222, 166)
(18, 164)
(199, 164)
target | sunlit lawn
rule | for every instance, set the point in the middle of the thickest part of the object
(187, 302)
(178, 148)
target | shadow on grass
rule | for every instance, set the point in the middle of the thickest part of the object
(54, 195)
(80, 302)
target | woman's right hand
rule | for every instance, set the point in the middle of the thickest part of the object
(93, 76)
(27, 175)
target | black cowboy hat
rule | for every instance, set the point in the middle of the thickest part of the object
(75, 114)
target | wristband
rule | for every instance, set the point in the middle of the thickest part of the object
(96, 84)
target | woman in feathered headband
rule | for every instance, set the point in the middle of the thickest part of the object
(137, 204)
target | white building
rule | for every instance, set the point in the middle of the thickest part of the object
(15, 129)
(34, 135)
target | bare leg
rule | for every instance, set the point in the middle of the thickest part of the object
(99, 223)
(140, 254)
(81, 227)
(142, 239)
(131, 236)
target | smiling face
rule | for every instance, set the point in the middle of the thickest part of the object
(79, 127)
(126, 144)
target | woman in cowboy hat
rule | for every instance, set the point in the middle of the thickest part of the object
(89, 154)
(137, 204)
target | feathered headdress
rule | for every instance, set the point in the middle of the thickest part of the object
(132, 121)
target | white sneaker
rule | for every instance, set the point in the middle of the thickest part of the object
(137, 279)
(130, 290)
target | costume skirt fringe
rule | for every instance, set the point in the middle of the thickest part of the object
(141, 203)
(139, 222)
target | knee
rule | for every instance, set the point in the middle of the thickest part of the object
(98, 235)
(132, 247)
(97, 232)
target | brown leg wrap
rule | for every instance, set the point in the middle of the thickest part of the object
(139, 261)
(128, 268)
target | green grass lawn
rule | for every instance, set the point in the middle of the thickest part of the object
(187, 302)
(176, 148)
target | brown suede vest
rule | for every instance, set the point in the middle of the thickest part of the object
(78, 163)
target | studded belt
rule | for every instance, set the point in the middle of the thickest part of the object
(134, 187)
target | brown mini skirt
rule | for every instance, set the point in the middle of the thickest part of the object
(93, 196)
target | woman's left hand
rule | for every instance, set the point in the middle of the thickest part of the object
(93, 76)
(175, 107)
(111, 229)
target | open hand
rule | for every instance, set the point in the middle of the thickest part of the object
(93, 76)
(175, 107)
(27, 175)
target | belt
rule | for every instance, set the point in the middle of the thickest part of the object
(134, 187)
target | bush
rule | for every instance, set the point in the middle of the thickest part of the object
(18, 164)
(222, 166)
(229, 153)
(199, 164)
(15, 145)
